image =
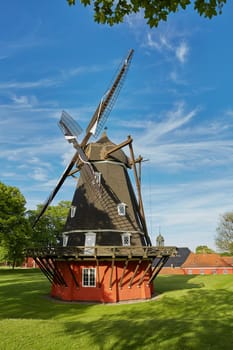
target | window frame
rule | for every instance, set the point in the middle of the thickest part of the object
(88, 280)
(98, 177)
(73, 211)
(126, 236)
(121, 209)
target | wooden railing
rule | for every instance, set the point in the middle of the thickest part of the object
(102, 251)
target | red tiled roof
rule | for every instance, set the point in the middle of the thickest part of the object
(228, 259)
(205, 260)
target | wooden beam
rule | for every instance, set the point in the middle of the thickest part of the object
(116, 148)
(98, 274)
(123, 273)
(110, 281)
(44, 269)
(58, 272)
(144, 274)
(72, 275)
(58, 278)
(134, 274)
(140, 203)
(158, 267)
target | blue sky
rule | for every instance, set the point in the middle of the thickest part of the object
(176, 104)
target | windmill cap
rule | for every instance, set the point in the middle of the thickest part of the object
(96, 151)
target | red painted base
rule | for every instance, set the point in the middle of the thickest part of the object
(114, 283)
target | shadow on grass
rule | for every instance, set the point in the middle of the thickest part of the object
(199, 318)
(25, 294)
(202, 319)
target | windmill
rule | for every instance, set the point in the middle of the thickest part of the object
(106, 254)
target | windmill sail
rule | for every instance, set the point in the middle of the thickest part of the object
(72, 130)
(69, 126)
(107, 102)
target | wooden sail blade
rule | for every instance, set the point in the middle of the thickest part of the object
(69, 126)
(57, 187)
(107, 102)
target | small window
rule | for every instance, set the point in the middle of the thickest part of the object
(89, 277)
(121, 209)
(126, 239)
(190, 272)
(90, 239)
(202, 271)
(65, 240)
(72, 211)
(97, 177)
(225, 272)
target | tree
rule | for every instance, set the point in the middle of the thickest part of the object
(48, 229)
(224, 237)
(112, 12)
(203, 249)
(14, 228)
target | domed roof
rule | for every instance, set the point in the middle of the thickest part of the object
(96, 151)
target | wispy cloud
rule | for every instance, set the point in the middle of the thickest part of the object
(167, 44)
(28, 84)
(182, 51)
(188, 211)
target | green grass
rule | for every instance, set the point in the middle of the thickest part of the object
(191, 312)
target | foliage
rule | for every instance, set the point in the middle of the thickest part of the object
(48, 229)
(192, 312)
(112, 12)
(224, 237)
(14, 228)
(203, 249)
(3, 255)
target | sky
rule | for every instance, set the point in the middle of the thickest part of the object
(176, 103)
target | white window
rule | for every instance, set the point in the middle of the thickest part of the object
(65, 240)
(126, 239)
(121, 209)
(89, 277)
(90, 239)
(72, 211)
(190, 272)
(97, 177)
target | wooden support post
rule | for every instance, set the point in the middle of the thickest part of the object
(73, 275)
(144, 274)
(116, 148)
(134, 274)
(58, 273)
(98, 273)
(44, 269)
(158, 267)
(140, 203)
(110, 282)
(58, 279)
(123, 273)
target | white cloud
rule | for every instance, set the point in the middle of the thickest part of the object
(39, 174)
(187, 213)
(28, 84)
(168, 43)
(182, 51)
(25, 101)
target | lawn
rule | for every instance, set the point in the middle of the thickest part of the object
(191, 312)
